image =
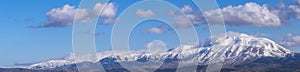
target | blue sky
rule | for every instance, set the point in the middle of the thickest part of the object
(21, 44)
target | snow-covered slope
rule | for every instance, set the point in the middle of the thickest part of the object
(50, 64)
(233, 47)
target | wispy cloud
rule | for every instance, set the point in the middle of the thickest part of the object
(186, 17)
(295, 9)
(110, 21)
(291, 40)
(154, 30)
(187, 20)
(145, 13)
(158, 30)
(90, 33)
(258, 34)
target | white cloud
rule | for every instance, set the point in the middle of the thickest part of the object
(145, 13)
(109, 11)
(64, 16)
(258, 34)
(282, 12)
(156, 46)
(171, 13)
(250, 14)
(109, 20)
(155, 30)
(155, 43)
(291, 41)
(186, 9)
(59, 17)
(185, 20)
(296, 10)
(182, 18)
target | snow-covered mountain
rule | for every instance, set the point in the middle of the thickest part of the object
(233, 47)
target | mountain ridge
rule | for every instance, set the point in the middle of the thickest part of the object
(234, 48)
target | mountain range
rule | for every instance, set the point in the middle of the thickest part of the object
(238, 52)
